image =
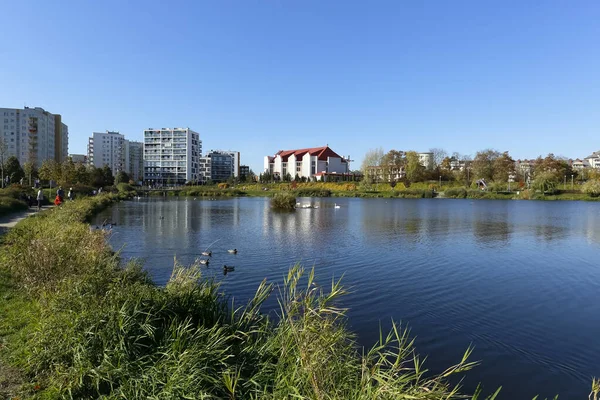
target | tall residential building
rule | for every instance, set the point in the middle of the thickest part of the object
(34, 135)
(171, 156)
(136, 161)
(217, 166)
(109, 148)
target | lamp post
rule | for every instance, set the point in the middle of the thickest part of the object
(571, 181)
(565, 184)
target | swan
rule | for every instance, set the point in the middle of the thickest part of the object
(335, 205)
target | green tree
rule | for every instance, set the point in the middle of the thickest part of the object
(372, 158)
(50, 171)
(109, 180)
(503, 166)
(3, 157)
(592, 187)
(29, 170)
(439, 155)
(545, 181)
(96, 177)
(414, 169)
(82, 175)
(68, 172)
(12, 169)
(483, 164)
(122, 177)
(558, 168)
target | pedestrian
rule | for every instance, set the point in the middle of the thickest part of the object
(60, 194)
(71, 194)
(99, 190)
(40, 198)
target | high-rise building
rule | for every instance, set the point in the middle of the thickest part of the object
(217, 166)
(34, 135)
(136, 161)
(171, 156)
(79, 158)
(109, 148)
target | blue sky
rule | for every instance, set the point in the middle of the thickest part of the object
(260, 76)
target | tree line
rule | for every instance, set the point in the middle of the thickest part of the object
(65, 173)
(490, 165)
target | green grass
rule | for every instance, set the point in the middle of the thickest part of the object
(285, 201)
(9, 205)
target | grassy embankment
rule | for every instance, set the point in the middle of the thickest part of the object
(10, 201)
(76, 323)
(381, 190)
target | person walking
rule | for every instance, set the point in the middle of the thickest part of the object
(40, 198)
(71, 194)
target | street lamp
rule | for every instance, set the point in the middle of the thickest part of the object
(572, 181)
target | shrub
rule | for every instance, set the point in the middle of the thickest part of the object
(9, 205)
(592, 187)
(283, 201)
(223, 185)
(456, 193)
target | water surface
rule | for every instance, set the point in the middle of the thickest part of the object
(519, 280)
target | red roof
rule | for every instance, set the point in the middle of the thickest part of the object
(321, 152)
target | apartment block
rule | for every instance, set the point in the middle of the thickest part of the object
(171, 156)
(218, 166)
(317, 162)
(136, 161)
(34, 135)
(109, 148)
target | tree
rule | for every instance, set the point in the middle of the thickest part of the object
(414, 169)
(438, 156)
(122, 177)
(29, 170)
(372, 158)
(12, 169)
(3, 156)
(109, 180)
(503, 166)
(545, 181)
(50, 171)
(82, 175)
(68, 172)
(552, 165)
(482, 166)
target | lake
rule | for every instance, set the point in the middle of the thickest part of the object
(518, 280)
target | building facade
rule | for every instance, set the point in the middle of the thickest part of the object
(79, 158)
(426, 160)
(306, 163)
(217, 166)
(244, 172)
(593, 160)
(34, 135)
(109, 148)
(136, 161)
(171, 156)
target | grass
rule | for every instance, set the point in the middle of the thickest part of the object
(9, 205)
(283, 201)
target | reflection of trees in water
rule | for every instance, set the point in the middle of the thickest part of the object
(492, 228)
(550, 232)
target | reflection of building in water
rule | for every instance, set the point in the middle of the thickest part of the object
(167, 222)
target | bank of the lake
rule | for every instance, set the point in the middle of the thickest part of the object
(75, 322)
(349, 190)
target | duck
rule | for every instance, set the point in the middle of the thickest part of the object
(233, 251)
(228, 268)
(335, 205)
(204, 262)
(207, 253)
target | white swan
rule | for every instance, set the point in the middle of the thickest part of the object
(335, 205)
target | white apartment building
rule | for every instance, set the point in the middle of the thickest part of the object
(136, 161)
(34, 135)
(426, 160)
(313, 162)
(109, 148)
(593, 160)
(171, 156)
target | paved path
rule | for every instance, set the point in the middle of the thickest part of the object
(9, 221)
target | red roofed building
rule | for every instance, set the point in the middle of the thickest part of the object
(312, 162)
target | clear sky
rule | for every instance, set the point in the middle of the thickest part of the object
(260, 76)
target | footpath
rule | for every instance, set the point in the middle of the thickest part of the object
(9, 221)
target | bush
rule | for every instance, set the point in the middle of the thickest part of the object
(223, 185)
(456, 193)
(591, 187)
(10, 205)
(283, 201)
(415, 194)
